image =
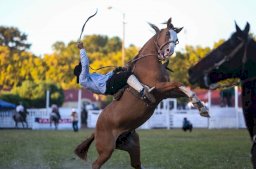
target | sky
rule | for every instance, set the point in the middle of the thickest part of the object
(48, 21)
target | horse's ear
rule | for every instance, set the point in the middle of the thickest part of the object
(154, 27)
(247, 28)
(169, 23)
(177, 30)
(237, 28)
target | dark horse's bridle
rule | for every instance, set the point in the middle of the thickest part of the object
(243, 43)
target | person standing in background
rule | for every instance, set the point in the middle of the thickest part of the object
(74, 119)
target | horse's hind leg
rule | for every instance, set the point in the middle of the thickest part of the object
(132, 145)
(26, 124)
(105, 145)
(56, 125)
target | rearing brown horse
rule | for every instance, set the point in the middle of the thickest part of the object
(115, 128)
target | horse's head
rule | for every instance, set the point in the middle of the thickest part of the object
(223, 62)
(166, 39)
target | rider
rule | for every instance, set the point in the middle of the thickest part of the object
(110, 83)
(20, 109)
(55, 111)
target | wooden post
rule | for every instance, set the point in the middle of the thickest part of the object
(236, 107)
(79, 105)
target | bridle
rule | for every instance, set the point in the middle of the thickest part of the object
(159, 52)
(161, 47)
(243, 43)
(158, 47)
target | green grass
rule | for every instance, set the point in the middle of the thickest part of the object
(160, 149)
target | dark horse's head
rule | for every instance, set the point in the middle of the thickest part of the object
(233, 59)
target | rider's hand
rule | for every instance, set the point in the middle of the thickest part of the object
(80, 45)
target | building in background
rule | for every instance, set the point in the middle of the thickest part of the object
(71, 98)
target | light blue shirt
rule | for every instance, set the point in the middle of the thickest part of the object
(94, 82)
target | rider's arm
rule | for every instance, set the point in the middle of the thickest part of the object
(85, 65)
(94, 82)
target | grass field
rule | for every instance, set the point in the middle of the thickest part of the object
(160, 149)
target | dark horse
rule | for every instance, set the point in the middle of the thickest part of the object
(235, 58)
(115, 128)
(55, 116)
(20, 117)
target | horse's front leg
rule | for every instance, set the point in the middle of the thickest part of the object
(50, 123)
(177, 89)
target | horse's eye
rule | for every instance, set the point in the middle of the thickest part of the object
(177, 42)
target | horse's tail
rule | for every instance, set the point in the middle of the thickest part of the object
(82, 149)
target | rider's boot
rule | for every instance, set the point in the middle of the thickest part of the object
(196, 101)
(143, 90)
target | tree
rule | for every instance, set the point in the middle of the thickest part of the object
(60, 64)
(184, 60)
(16, 67)
(102, 44)
(13, 38)
(33, 94)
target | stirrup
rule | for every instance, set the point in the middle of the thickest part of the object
(147, 95)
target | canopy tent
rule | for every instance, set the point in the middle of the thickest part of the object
(6, 105)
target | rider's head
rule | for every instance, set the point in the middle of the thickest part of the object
(77, 71)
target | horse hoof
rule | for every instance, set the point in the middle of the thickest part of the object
(204, 112)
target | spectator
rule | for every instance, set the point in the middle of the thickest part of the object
(187, 125)
(74, 119)
(226, 96)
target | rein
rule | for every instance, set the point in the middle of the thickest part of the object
(103, 67)
(134, 60)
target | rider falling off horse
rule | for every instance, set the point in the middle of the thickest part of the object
(110, 83)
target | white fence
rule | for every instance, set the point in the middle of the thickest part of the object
(37, 119)
(166, 115)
